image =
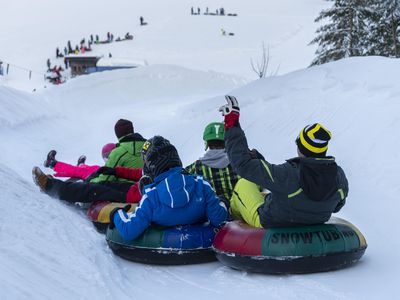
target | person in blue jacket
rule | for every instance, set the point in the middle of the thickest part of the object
(174, 197)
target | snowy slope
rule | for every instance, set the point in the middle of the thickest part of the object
(173, 36)
(49, 250)
(55, 251)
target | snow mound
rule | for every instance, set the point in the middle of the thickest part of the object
(19, 108)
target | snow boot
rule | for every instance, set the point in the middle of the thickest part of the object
(50, 161)
(81, 160)
(40, 179)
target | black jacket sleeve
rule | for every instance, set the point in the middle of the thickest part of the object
(273, 177)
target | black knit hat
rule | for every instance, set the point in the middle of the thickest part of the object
(159, 156)
(123, 127)
(313, 140)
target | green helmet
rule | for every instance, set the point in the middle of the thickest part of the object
(214, 131)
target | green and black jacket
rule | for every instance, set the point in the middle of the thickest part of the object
(127, 153)
(223, 180)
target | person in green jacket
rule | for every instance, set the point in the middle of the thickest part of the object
(214, 165)
(304, 190)
(127, 152)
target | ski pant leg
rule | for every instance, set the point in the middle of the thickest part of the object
(83, 192)
(245, 201)
(120, 186)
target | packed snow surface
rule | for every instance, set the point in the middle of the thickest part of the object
(49, 250)
(55, 251)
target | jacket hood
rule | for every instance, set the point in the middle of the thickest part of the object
(318, 177)
(132, 137)
(174, 189)
(215, 158)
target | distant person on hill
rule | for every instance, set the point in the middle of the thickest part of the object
(304, 190)
(1, 68)
(91, 38)
(142, 22)
(206, 13)
(81, 170)
(198, 10)
(70, 51)
(58, 53)
(214, 165)
(57, 75)
(66, 63)
(191, 11)
(128, 36)
(76, 49)
(97, 39)
(222, 11)
(223, 32)
(65, 51)
(48, 63)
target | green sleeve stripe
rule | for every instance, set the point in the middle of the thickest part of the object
(295, 193)
(191, 168)
(341, 193)
(229, 180)
(223, 182)
(268, 170)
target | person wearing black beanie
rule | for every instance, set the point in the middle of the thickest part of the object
(123, 128)
(127, 152)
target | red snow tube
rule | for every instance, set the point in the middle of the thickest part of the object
(282, 250)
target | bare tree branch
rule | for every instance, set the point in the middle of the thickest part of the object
(261, 67)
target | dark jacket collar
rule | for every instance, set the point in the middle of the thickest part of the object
(132, 137)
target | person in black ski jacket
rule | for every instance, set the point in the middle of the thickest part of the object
(304, 190)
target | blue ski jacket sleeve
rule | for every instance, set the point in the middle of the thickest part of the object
(130, 226)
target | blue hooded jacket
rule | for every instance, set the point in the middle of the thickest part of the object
(175, 198)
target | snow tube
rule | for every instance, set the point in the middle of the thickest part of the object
(99, 213)
(179, 245)
(283, 250)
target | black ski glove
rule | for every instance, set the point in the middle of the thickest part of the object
(107, 171)
(126, 208)
(226, 201)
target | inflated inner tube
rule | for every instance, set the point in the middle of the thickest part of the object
(179, 245)
(282, 250)
(99, 213)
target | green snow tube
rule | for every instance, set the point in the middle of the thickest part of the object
(177, 245)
